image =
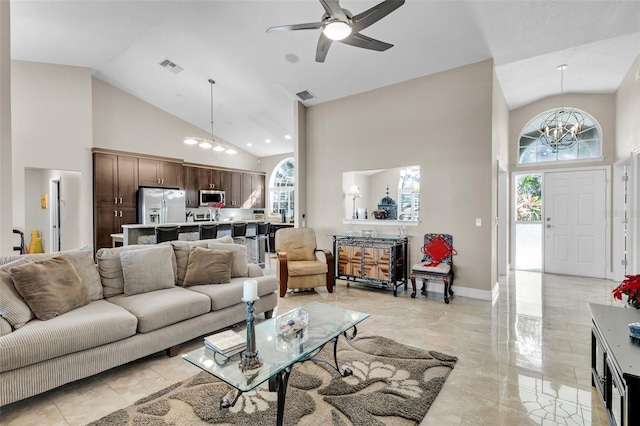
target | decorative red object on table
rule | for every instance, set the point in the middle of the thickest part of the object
(631, 287)
(217, 204)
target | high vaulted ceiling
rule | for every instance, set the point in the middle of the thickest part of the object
(258, 74)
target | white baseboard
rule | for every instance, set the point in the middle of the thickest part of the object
(438, 287)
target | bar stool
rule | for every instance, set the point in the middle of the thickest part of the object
(262, 233)
(208, 231)
(166, 233)
(239, 231)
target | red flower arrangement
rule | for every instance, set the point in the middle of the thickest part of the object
(216, 205)
(631, 287)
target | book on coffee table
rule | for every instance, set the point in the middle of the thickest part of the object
(226, 343)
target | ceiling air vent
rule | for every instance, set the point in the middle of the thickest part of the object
(171, 66)
(305, 95)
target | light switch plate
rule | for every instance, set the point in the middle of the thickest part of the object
(478, 221)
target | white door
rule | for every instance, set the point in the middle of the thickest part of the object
(574, 223)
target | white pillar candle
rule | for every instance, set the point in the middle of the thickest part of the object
(250, 290)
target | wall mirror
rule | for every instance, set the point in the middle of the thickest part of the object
(365, 189)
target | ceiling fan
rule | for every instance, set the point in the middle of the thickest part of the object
(339, 24)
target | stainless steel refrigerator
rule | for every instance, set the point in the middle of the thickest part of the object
(157, 205)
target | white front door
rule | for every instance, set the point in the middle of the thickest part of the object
(574, 223)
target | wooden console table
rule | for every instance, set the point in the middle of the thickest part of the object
(379, 261)
(615, 363)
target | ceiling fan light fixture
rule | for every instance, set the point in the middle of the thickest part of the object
(337, 30)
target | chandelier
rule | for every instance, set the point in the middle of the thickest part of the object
(206, 143)
(562, 128)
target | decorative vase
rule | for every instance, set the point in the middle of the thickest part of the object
(36, 243)
(216, 215)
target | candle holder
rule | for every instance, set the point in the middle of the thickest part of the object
(249, 359)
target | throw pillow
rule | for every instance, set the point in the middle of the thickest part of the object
(13, 308)
(208, 266)
(240, 266)
(183, 248)
(81, 259)
(147, 269)
(50, 287)
(110, 267)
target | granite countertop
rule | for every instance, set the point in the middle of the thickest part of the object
(154, 225)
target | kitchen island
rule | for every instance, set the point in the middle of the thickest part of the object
(145, 234)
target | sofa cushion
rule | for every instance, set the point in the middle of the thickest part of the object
(13, 308)
(440, 268)
(50, 287)
(239, 267)
(306, 267)
(147, 270)
(182, 249)
(81, 259)
(157, 309)
(110, 267)
(225, 295)
(88, 326)
(207, 266)
(5, 327)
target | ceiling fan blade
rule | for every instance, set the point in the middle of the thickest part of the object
(293, 27)
(365, 42)
(333, 9)
(373, 15)
(324, 43)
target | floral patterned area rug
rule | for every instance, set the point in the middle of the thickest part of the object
(392, 384)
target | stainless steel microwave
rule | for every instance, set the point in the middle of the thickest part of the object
(208, 196)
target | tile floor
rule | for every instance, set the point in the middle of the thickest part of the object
(523, 360)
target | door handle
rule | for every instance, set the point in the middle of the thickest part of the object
(120, 200)
(115, 201)
(120, 213)
(115, 213)
(162, 181)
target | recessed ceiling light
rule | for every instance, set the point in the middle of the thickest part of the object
(249, 144)
(267, 140)
(287, 137)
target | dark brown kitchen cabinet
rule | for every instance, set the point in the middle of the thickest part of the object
(109, 220)
(115, 186)
(159, 173)
(233, 189)
(209, 179)
(191, 185)
(252, 190)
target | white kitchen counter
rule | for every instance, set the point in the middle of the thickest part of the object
(145, 234)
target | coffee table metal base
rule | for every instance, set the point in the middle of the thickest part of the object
(278, 383)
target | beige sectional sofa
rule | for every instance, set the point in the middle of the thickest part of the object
(131, 310)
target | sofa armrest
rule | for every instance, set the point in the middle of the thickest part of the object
(254, 270)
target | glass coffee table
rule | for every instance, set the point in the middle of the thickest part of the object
(279, 353)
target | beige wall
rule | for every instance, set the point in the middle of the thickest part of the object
(441, 122)
(52, 129)
(500, 153)
(6, 198)
(628, 112)
(126, 123)
(601, 107)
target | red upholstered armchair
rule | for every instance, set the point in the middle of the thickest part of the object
(298, 265)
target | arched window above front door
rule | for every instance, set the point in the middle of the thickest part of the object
(564, 134)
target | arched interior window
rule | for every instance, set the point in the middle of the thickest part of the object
(538, 143)
(281, 190)
(409, 193)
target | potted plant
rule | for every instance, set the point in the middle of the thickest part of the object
(631, 287)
